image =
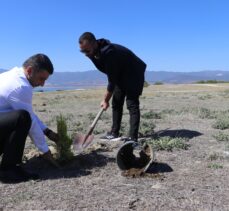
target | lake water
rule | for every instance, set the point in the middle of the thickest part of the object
(61, 88)
(57, 88)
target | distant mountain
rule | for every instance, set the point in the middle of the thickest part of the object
(2, 70)
(96, 78)
(87, 78)
(186, 77)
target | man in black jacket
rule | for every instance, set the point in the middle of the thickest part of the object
(125, 72)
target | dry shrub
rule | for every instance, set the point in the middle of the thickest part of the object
(169, 143)
(146, 129)
(222, 122)
(221, 137)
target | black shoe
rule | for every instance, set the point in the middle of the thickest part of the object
(111, 137)
(17, 174)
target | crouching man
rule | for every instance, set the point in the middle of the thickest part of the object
(17, 119)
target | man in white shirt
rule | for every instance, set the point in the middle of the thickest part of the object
(17, 119)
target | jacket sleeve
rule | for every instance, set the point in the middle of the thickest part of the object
(110, 85)
(112, 70)
(21, 98)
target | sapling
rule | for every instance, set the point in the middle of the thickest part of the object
(64, 143)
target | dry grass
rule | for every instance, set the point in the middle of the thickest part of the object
(92, 181)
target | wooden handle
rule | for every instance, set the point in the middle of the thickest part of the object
(97, 118)
(95, 121)
(93, 125)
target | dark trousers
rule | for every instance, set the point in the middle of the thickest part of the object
(132, 102)
(14, 128)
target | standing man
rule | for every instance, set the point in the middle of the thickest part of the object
(17, 119)
(125, 72)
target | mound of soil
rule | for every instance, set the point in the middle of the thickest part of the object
(137, 172)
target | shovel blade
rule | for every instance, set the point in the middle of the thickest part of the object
(81, 141)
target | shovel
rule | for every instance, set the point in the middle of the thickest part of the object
(81, 141)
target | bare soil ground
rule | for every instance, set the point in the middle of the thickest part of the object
(192, 179)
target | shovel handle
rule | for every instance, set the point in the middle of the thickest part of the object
(93, 125)
(97, 118)
(94, 122)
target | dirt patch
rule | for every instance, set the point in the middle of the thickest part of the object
(137, 173)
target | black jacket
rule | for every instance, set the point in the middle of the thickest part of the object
(122, 67)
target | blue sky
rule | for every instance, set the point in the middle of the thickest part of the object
(169, 35)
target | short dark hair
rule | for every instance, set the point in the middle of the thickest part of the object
(39, 62)
(87, 36)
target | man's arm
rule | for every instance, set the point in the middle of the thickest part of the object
(105, 102)
(112, 69)
(21, 98)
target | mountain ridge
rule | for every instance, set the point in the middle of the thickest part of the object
(96, 78)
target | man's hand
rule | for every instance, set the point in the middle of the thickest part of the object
(48, 156)
(104, 104)
(51, 135)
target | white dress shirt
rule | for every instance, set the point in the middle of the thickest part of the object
(16, 93)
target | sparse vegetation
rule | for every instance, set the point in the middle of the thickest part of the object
(205, 113)
(227, 147)
(168, 111)
(65, 142)
(105, 116)
(158, 83)
(215, 166)
(146, 84)
(225, 93)
(222, 123)
(169, 143)
(205, 97)
(186, 110)
(146, 128)
(124, 127)
(91, 116)
(221, 137)
(78, 126)
(210, 82)
(213, 156)
(151, 115)
(98, 131)
(95, 170)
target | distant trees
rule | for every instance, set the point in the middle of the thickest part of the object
(146, 84)
(210, 82)
(158, 83)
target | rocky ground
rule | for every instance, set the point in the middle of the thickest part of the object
(195, 178)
